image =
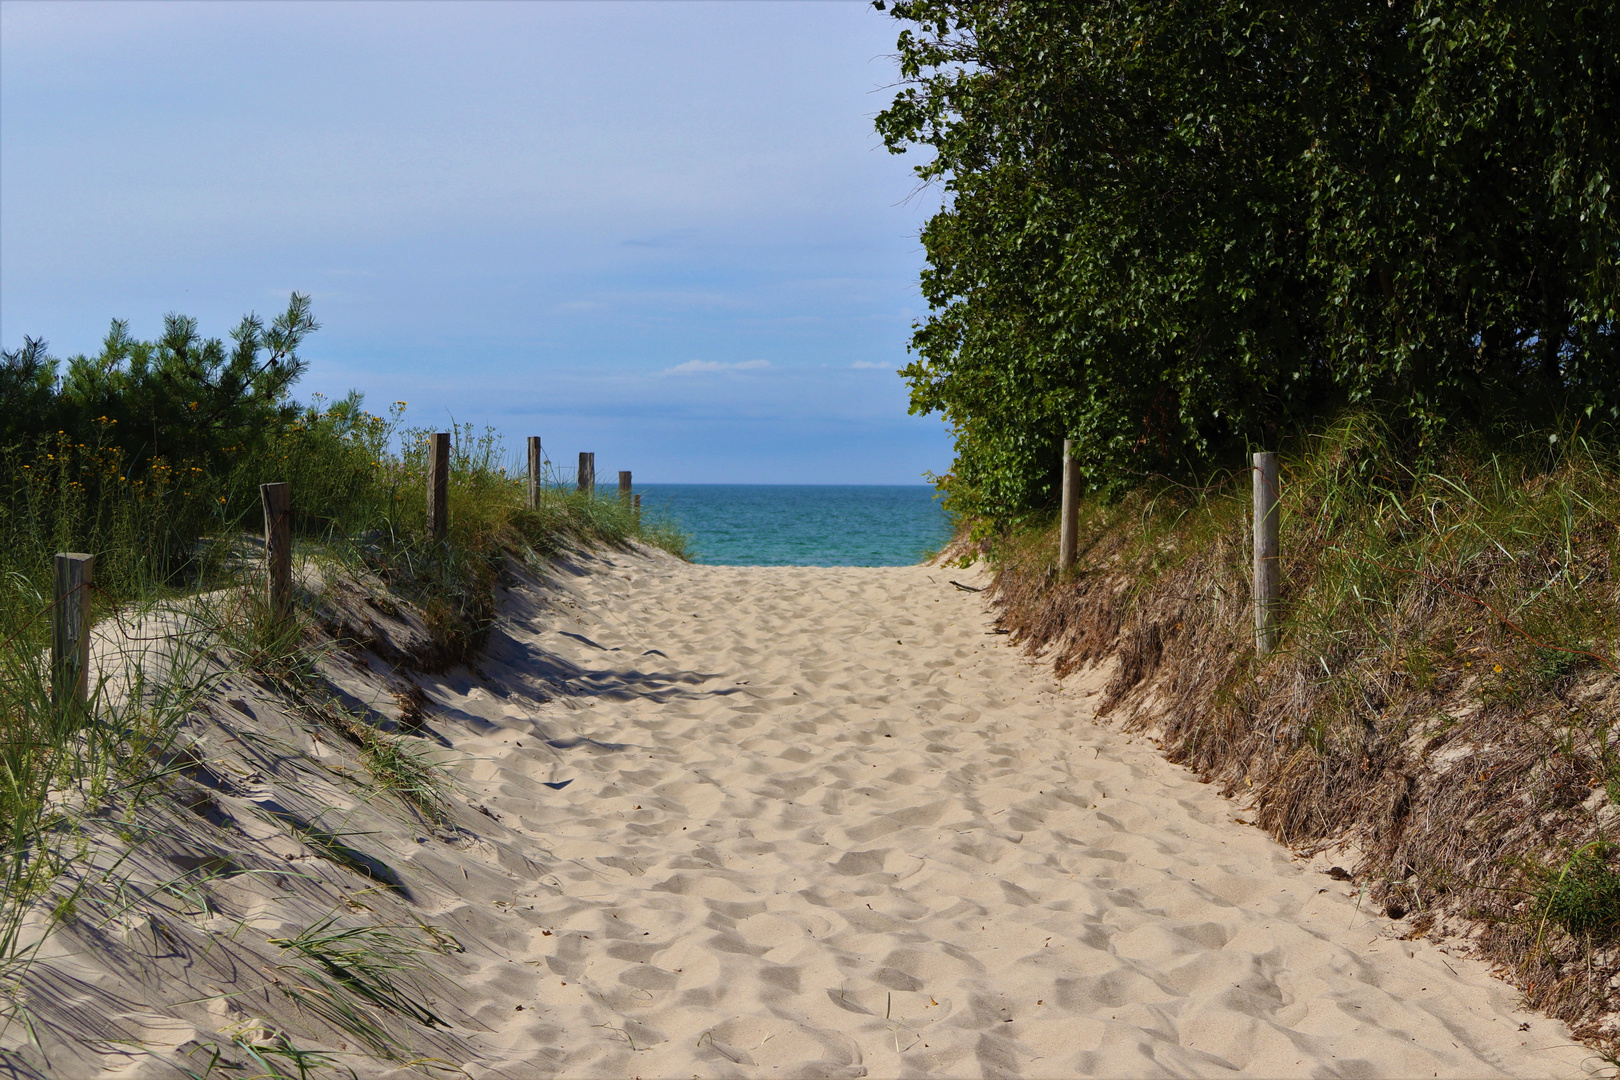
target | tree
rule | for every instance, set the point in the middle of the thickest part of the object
(1173, 227)
(182, 396)
(27, 392)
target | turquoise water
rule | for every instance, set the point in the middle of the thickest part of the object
(803, 524)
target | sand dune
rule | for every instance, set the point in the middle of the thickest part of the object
(714, 822)
(823, 822)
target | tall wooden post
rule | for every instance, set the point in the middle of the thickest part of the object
(1267, 580)
(70, 629)
(534, 471)
(277, 500)
(624, 486)
(438, 484)
(587, 473)
(636, 505)
(1069, 528)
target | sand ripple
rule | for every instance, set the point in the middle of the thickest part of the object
(820, 822)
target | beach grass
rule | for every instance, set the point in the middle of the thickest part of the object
(1444, 690)
(355, 977)
(182, 537)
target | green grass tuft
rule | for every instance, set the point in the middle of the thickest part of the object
(404, 768)
(349, 975)
(1583, 896)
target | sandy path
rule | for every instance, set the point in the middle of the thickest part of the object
(820, 822)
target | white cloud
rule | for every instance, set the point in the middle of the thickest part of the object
(863, 364)
(693, 367)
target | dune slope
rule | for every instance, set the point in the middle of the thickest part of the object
(721, 821)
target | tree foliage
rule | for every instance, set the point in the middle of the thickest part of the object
(1171, 228)
(183, 397)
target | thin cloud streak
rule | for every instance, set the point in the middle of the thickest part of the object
(695, 367)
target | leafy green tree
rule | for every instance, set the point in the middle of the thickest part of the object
(1171, 228)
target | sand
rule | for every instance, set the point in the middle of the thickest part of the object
(720, 821)
(824, 822)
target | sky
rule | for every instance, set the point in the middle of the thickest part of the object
(663, 232)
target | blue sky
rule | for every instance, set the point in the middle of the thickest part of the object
(665, 232)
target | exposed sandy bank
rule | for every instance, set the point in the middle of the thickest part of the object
(818, 822)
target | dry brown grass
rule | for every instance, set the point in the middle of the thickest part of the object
(1445, 695)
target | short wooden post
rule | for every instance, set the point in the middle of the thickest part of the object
(1267, 580)
(1069, 528)
(277, 500)
(70, 629)
(534, 471)
(587, 473)
(624, 486)
(636, 504)
(438, 483)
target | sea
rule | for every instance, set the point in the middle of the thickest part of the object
(803, 524)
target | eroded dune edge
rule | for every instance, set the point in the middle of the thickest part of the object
(721, 821)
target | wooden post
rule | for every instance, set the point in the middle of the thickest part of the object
(70, 629)
(624, 486)
(438, 483)
(277, 500)
(587, 473)
(636, 504)
(1069, 528)
(1267, 580)
(534, 471)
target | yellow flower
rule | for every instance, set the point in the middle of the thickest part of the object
(1497, 668)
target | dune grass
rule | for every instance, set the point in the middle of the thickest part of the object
(68, 769)
(150, 457)
(1444, 693)
(489, 521)
(183, 537)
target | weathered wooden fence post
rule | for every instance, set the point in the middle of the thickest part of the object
(438, 485)
(534, 471)
(277, 500)
(636, 505)
(1267, 580)
(587, 473)
(624, 486)
(70, 629)
(1069, 528)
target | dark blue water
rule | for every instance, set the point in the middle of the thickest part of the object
(803, 524)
